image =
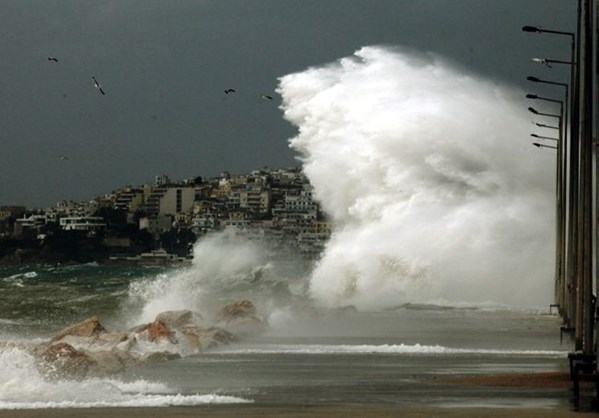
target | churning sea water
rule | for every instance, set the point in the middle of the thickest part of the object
(442, 226)
(307, 355)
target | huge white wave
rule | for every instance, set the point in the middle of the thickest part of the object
(428, 176)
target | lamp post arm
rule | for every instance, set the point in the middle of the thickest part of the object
(536, 144)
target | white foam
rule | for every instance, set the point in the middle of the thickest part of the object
(415, 349)
(22, 387)
(433, 189)
(218, 262)
(130, 401)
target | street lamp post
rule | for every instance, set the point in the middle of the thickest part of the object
(536, 144)
(571, 173)
(540, 125)
(541, 30)
(560, 215)
(536, 112)
(544, 137)
(548, 62)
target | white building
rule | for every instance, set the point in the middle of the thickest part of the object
(82, 223)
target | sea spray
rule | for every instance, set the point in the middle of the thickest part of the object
(23, 387)
(426, 172)
(223, 269)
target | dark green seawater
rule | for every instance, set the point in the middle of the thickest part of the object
(42, 299)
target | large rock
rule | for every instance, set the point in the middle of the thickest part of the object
(181, 319)
(110, 362)
(62, 361)
(238, 309)
(198, 338)
(155, 331)
(87, 349)
(91, 327)
(104, 341)
(107, 363)
(241, 317)
(187, 328)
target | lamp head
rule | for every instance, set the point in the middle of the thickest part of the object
(533, 110)
(533, 79)
(531, 96)
(530, 29)
(536, 144)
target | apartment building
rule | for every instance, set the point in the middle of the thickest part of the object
(83, 223)
(170, 200)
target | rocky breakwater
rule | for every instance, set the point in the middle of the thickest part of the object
(88, 349)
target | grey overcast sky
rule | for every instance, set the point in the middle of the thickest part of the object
(164, 66)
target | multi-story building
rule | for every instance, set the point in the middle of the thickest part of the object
(275, 206)
(83, 223)
(170, 200)
(162, 180)
(203, 223)
(232, 200)
(32, 224)
(254, 198)
(297, 208)
(129, 199)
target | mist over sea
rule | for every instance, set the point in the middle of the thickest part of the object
(442, 219)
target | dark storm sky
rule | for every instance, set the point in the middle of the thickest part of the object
(164, 66)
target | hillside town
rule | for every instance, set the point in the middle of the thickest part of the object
(162, 221)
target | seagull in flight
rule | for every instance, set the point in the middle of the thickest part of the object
(227, 91)
(266, 97)
(98, 86)
(53, 59)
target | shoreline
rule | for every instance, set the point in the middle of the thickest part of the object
(467, 407)
(296, 411)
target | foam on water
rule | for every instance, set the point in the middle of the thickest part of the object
(22, 387)
(414, 349)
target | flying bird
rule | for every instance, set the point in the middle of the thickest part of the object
(265, 97)
(53, 59)
(98, 86)
(63, 157)
(227, 91)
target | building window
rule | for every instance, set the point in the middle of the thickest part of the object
(179, 200)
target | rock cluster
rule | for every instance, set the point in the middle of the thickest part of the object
(241, 317)
(88, 349)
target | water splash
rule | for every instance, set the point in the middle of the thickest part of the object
(22, 387)
(425, 171)
(223, 270)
